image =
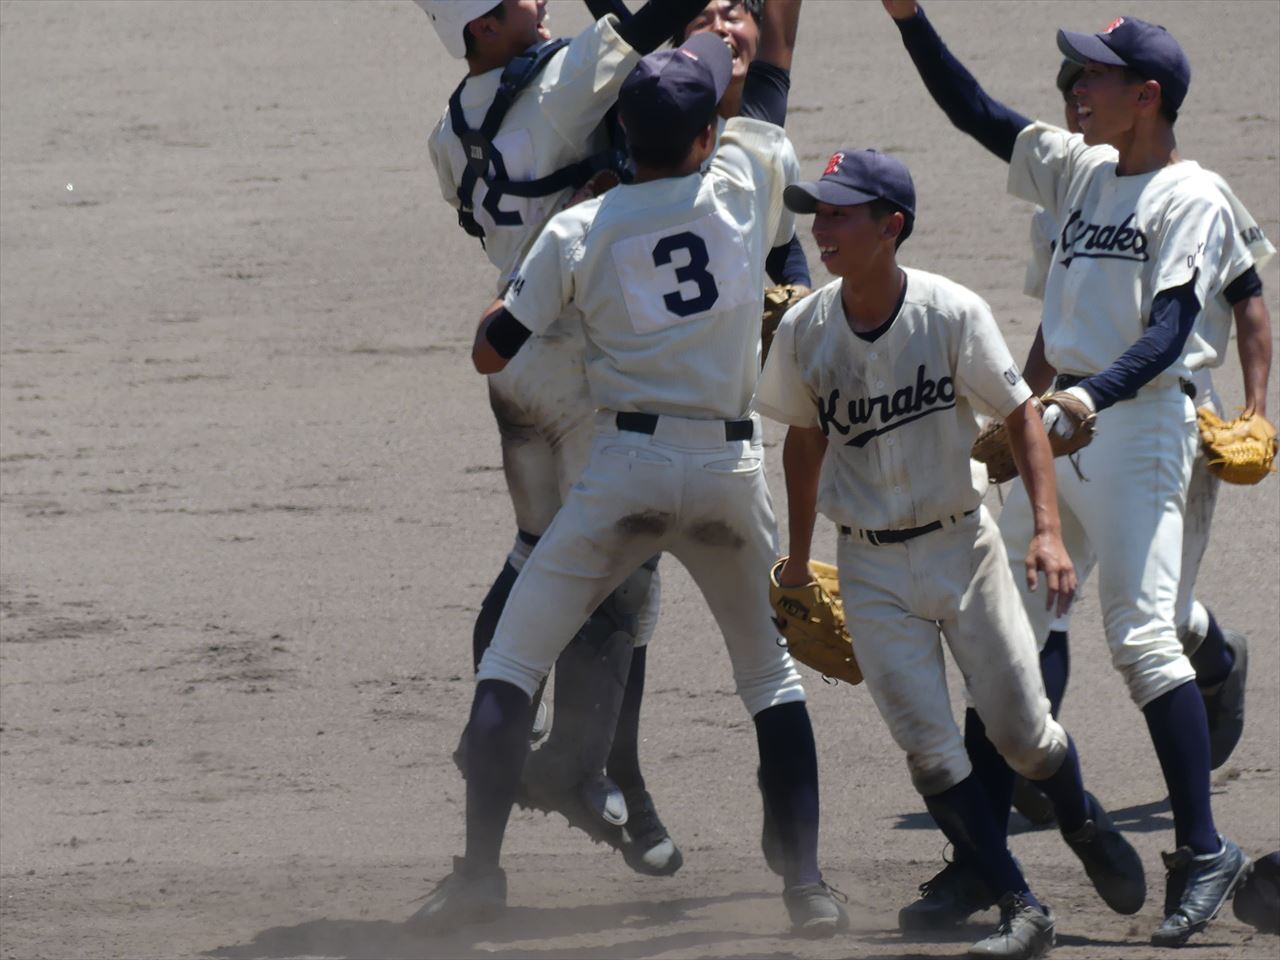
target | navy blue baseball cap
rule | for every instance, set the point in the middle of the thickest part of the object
(853, 177)
(1146, 48)
(673, 94)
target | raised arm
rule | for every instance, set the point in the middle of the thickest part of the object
(654, 24)
(952, 87)
(779, 23)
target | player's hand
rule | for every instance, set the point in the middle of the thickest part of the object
(1047, 555)
(795, 572)
(901, 9)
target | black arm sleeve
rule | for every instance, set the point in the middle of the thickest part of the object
(764, 93)
(602, 8)
(1244, 287)
(654, 24)
(955, 90)
(787, 263)
(1173, 314)
(506, 334)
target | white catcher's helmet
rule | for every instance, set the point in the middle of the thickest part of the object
(449, 17)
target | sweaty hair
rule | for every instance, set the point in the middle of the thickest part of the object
(879, 209)
(1167, 111)
(499, 13)
(660, 153)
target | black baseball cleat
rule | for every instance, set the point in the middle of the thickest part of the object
(1196, 888)
(946, 899)
(816, 910)
(1030, 801)
(1109, 859)
(1224, 703)
(646, 846)
(1257, 899)
(1025, 932)
(461, 899)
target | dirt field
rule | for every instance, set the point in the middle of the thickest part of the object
(251, 499)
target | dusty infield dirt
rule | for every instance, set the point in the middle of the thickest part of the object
(251, 500)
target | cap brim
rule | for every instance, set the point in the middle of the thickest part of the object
(805, 197)
(711, 50)
(1086, 48)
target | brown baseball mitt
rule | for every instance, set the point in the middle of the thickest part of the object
(777, 301)
(992, 445)
(1242, 450)
(811, 621)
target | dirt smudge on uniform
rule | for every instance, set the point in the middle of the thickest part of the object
(650, 523)
(717, 533)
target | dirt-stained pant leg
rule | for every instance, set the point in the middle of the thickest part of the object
(1202, 500)
(638, 496)
(992, 642)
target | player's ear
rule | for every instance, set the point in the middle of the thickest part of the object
(892, 226)
(1149, 95)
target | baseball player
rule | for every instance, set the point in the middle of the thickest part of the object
(877, 376)
(520, 133)
(1220, 657)
(668, 291)
(1144, 244)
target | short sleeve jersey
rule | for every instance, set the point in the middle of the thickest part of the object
(667, 278)
(554, 122)
(899, 412)
(1120, 241)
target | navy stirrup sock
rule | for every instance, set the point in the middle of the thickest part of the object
(1066, 789)
(497, 744)
(990, 768)
(789, 778)
(1180, 734)
(623, 766)
(490, 610)
(963, 814)
(1055, 668)
(1213, 659)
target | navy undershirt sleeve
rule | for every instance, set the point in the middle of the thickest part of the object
(506, 334)
(653, 24)
(787, 263)
(1244, 287)
(1173, 314)
(965, 103)
(764, 93)
(602, 8)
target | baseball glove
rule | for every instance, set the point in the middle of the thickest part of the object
(811, 621)
(1242, 450)
(777, 301)
(992, 445)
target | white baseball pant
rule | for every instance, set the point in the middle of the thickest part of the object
(1123, 512)
(684, 490)
(901, 601)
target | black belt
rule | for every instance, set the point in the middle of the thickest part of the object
(648, 423)
(1070, 380)
(878, 537)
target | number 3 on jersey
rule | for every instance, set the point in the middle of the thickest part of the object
(674, 275)
(695, 271)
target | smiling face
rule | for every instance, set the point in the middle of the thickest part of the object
(730, 20)
(853, 240)
(1107, 100)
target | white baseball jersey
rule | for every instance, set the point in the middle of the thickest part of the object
(554, 122)
(1139, 234)
(667, 278)
(1249, 248)
(898, 412)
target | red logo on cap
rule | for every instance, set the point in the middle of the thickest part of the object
(833, 165)
(1113, 24)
